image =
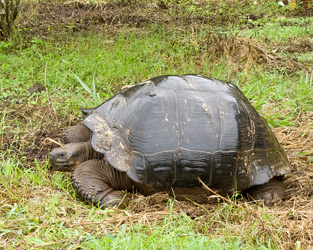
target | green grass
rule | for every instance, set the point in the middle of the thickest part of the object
(127, 58)
(286, 29)
(40, 210)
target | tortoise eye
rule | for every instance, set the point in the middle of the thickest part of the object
(61, 156)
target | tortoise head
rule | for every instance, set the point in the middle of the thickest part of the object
(67, 157)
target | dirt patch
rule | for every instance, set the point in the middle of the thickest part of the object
(28, 128)
(27, 142)
(111, 16)
(63, 18)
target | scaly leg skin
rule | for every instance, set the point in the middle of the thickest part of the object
(77, 133)
(101, 185)
(271, 192)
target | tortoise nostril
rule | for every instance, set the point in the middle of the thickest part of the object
(51, 155)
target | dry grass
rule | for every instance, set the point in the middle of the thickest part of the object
(298, 143)
(73, 16)
(245, 53)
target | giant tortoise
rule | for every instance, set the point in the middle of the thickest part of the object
(167, 132)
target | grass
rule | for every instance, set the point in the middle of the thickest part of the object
(40, 210)
(128, 58)
(285, 29)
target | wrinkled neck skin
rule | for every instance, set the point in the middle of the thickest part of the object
(87, 152)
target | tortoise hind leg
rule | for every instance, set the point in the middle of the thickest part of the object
(77, 133)
(270, 192)
(100, 184)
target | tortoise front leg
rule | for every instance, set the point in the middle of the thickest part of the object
(100, 184)
(77, 133)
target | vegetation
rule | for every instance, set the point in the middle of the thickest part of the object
(70, 55)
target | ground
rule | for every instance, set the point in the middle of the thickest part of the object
(247, 44)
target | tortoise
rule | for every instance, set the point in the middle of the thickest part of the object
(167, 132)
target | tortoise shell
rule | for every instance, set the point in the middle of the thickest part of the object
(170, 130)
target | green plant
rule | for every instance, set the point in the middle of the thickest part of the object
(96, 97)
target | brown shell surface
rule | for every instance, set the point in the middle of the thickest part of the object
(170, 130)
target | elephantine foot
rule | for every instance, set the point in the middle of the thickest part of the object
(100, 184)
(271, 192)
(77, 133)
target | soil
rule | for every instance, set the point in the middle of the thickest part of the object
(35, 141)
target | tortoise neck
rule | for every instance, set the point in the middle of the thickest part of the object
(89, 152)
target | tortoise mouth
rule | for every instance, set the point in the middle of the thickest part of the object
(67, 166)
(62, 160)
